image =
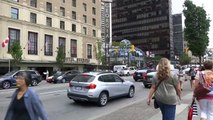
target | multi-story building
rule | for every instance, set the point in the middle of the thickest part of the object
(178, 35)
(146, 23)
(42, 26)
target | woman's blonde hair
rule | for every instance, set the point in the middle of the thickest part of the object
(163, 69)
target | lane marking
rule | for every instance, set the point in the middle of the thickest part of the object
(52, 92)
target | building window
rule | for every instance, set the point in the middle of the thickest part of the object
(74, 15)
(93, 1)
(62, 11)
(62, 25)
(74, 27)
(63, 1)
(94, 21)
(32, 43)
(74, 3)
(33, 3)
(49, 7)
(16, 0)
(14, 36)
(48, 45)
(94, 33)
(73, 50)
(49, 21)
(85, 6)
(84, 30)
(85, 18)
(32, 17)
(89, 51)
(62, 44)
(14, 13)
(93, 11)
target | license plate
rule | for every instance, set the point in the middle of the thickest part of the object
(78, 88)
(138, 75)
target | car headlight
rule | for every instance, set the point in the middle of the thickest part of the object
(60, 77)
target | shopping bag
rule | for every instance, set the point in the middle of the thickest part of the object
(191, 109)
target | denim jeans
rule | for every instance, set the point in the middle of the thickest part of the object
(168, 111)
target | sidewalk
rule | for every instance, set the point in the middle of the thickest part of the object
(140, 111)
(181, 110)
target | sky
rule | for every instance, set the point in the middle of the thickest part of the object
(177, 7)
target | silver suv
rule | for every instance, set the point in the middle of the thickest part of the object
(99, 87)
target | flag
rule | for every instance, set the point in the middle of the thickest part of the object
(5, 42)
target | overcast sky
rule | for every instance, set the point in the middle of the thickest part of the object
(177, 7)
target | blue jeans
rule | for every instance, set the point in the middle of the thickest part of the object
(168, 111)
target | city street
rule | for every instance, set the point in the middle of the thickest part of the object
(59, 107)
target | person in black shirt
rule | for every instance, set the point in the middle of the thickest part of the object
(25, 103)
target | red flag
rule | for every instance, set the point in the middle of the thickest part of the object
(5, 42)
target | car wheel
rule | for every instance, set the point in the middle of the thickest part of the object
(131, 92)
(63, 80)
(6, 85)
(136, 80)
(103, 99)
(34, 83)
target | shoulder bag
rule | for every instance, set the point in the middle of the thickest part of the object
(202, 89)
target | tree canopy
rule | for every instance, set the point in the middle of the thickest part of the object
(16, 52)
(60, 59)
(196, 28)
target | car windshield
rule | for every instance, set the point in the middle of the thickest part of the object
(10, 73)
(83, 78)
(58, 73)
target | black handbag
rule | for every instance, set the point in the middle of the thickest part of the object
(156, 106)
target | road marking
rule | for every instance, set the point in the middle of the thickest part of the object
(52, 92)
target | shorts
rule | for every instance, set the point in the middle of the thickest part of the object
(192, 77)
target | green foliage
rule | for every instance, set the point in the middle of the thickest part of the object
(60, 59)
(114, 43)
(98, 51)
(197, 27)
(16, 52)
(184, 59)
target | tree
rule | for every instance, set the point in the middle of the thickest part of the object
(196, 30)
(184, 59)
(16, 52)
(60, 59)
(99, 53)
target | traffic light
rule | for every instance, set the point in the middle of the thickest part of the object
(116, 50)
(132, 48)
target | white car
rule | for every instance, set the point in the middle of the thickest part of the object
(129, 71)
(99, 87)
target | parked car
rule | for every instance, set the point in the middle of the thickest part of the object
(141, 75)
(8, 80)
(99, 87)
(49, 79)
(64, 76)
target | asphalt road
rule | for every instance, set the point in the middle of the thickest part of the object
(59, 107)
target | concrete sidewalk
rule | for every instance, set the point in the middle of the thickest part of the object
(181, 110)
(141, 111)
